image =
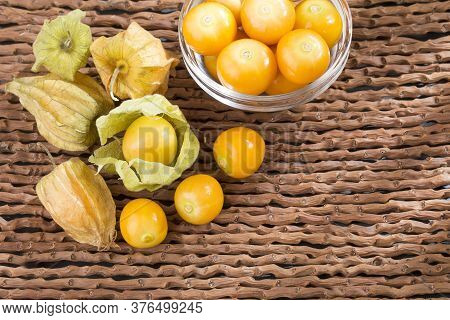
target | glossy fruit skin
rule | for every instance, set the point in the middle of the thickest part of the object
(209, 27)
(303, 56)
(239, 152)
(320, 16)
(281, 85)
(143, 223)
(211, 61)
(211, 66)
(247, 66)
(267, 20)
(199, 199)
(151, 139)
(234, 6)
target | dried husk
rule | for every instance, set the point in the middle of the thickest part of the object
(62, 45)
(65, 111)
(80, 202)
(139, 174)
(133, 63)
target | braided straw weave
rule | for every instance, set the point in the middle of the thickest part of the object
(351, 201)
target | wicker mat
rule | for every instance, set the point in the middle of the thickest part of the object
(351, 201)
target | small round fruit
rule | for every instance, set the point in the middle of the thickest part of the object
(152, 139)
(211, 61)
(320, 16)
(234, 6)
(211, 66)
(143, 223)
(267, 20)
(303, 56)
(209, 27)
(247, 66)
(239, 152)
(281, 85)
(199, 199)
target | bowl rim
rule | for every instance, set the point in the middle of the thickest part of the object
(269, 103)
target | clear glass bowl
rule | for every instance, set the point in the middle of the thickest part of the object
(339, 55)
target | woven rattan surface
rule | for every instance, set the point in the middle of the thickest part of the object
(351, 201)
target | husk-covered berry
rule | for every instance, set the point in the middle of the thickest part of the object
(62, 45)
(80, 202)
(133, 63)
(65, 111)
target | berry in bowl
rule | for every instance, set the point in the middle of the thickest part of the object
(265, 55)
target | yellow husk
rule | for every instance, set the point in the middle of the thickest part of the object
(133, 63)
(80, 202)
(65, 111)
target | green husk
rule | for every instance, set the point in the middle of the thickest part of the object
(138, 174)
(62, 45)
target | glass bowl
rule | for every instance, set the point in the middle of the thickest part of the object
(264, 103)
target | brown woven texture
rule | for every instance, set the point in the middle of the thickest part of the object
(351, 201)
